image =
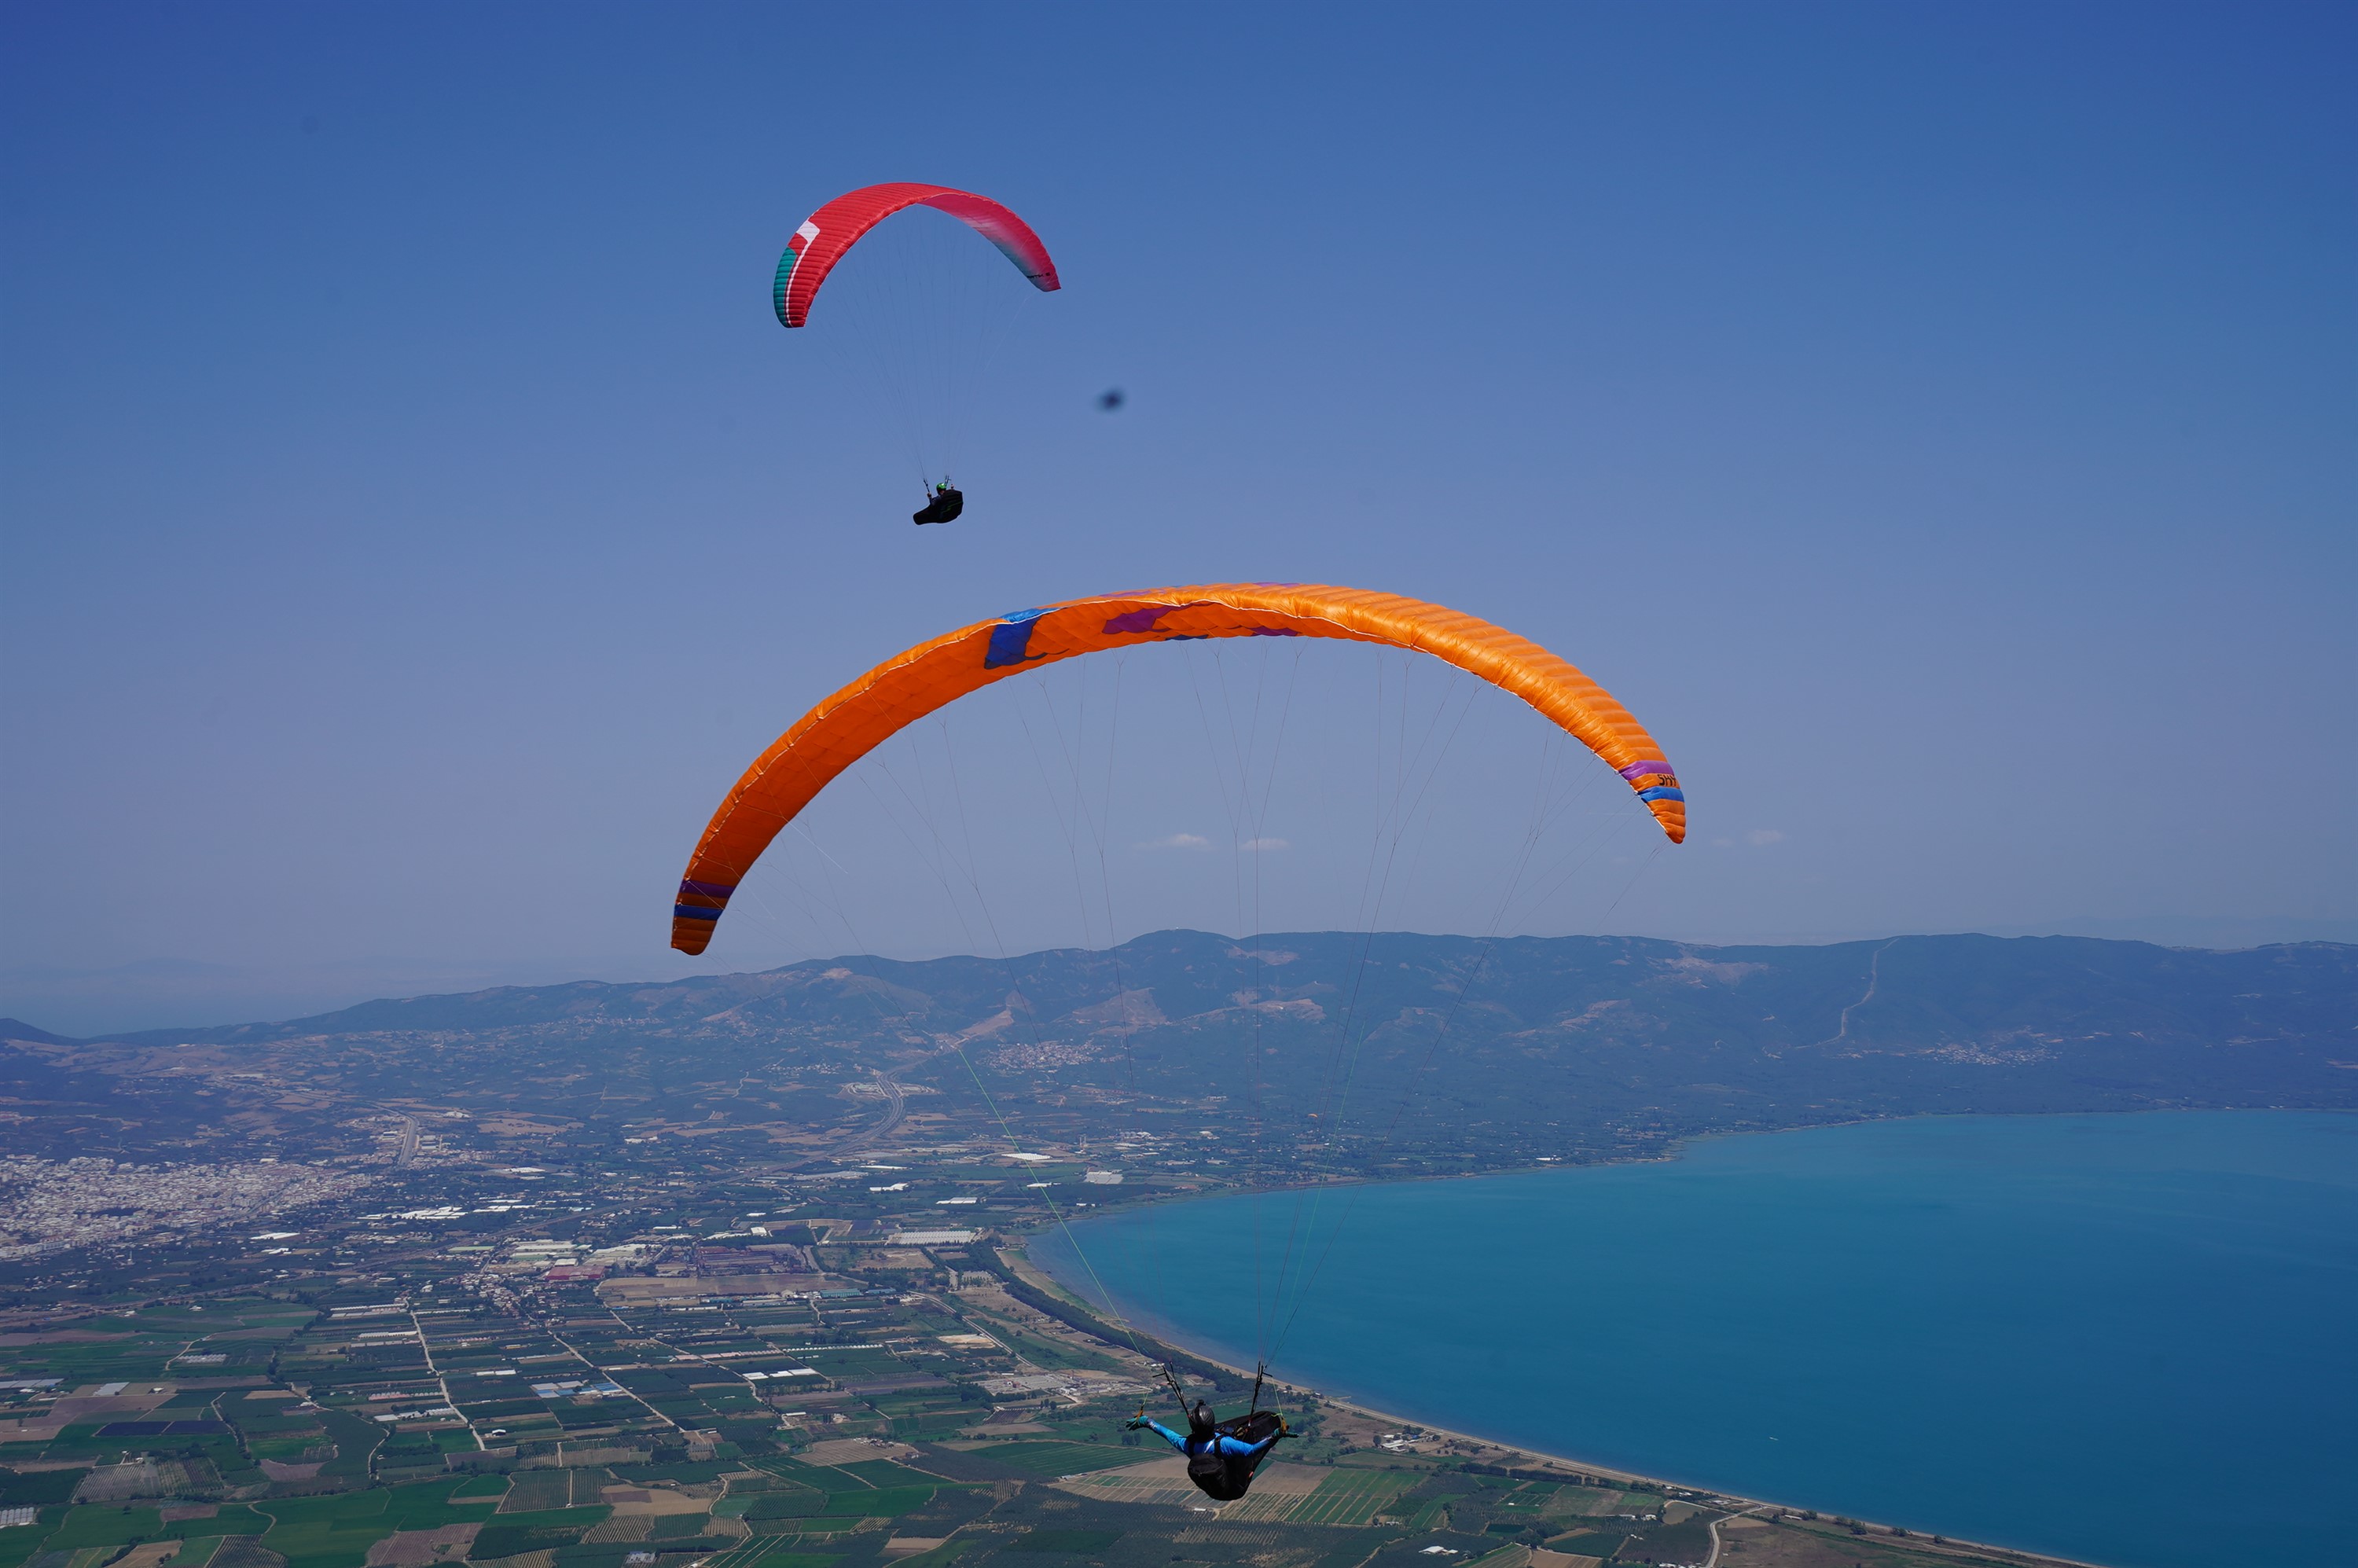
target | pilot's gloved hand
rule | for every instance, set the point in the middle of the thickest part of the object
(1135, 1423)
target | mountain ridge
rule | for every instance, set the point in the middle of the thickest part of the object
(419, 1011)
(1327, 1053)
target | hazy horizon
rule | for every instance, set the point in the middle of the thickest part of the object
(165, 993)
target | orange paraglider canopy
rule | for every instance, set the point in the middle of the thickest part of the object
(904, 689)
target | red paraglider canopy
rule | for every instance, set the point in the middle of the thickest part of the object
(835, 228)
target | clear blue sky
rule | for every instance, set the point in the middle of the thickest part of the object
(1935, 421)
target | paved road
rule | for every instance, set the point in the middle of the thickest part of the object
(441, 1378)
(1712, 1561)
(894, 1113)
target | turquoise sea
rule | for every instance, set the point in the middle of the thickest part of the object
(2129, 1339)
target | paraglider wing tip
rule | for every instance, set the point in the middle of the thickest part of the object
(1658, 787)
(695, 909)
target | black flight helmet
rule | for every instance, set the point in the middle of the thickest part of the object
(1199, 1420)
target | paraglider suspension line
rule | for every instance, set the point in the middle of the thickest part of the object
(1171, 1377)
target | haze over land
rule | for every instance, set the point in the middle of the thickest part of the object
(1933, 424)
(663, 1202)
(1418, 1052)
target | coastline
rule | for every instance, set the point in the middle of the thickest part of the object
(1676, 1150)
(1512, 1456)
(2077, 1498)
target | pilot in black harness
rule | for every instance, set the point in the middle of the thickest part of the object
(1221, 1454)
(944, 503)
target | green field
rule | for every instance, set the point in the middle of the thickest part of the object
(326, 1532)
(39, 1486)
(1429, 1514)
(1065, 1540)
(798, 1502)
(933, 1558)
(141, 1347)
(846, 1363)
(232, 1519)
(103, 1525)
(1584, 1502)
(1352, 1496)
(336, 1532)
(1048, 1458)
(884, 1473)
(1052, 1354)
(879, 1502)
(532, 1491)
(1590, 1543)
(199, 1553)
(793, 1557)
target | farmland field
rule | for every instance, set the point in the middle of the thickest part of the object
(1050, 1458)
(1352, 1496)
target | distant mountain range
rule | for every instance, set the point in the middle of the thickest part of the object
(1395, 1051)
(160, 993)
